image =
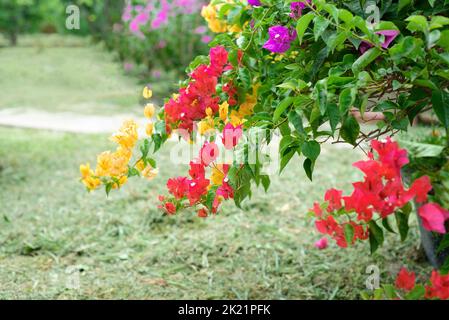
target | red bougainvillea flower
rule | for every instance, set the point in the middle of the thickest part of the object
(333, 197)
(421, 187)
(170, 208)
(433, 217)
(197, 189)
(178, 187)
(405, 280)
(389, 36)
(321, 244)
(255, 3)
(280, 39)
(208, 153)
(439, 286)
(381, 192)
(202, 213)
(317, 210)
(197, 170)
(231, 135)
(190, 105)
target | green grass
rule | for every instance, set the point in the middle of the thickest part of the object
(124, 248)
(62, 73)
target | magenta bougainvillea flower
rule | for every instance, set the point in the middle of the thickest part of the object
(389, 36)
(280, 39)
(297, 7)
(256, 3)
(433, 217)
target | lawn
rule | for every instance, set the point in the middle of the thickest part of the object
(123, 247)
(67, 74)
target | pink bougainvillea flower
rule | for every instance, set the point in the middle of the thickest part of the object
(405, 280)
(321, 244)
(206, 39)
(255, 3)
(201, 30)
(280, 39)
(433, 217)
(231, 135)
(208, 153)
(389, 36)
(297, 7)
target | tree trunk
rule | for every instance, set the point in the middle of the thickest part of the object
(13, 38)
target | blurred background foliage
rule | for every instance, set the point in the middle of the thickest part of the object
(154, 40)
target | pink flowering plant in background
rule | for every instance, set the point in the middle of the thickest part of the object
(312, 72)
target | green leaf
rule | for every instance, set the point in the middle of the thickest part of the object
(364, 60)
(311, 149)
(417, 293)
(334, 115)
(350, 130)
(245, 77)
(349, 233)
(302, 24)
(417, 23)
(376, 236)
(390, 291)
(296, 120)
(346, 99)
(320, 25)
(321, 93)
(444, 244)
(308, 168)
(265, 182)
(403, 3)
(386, 225)
(285, 159)
(440, 103)
(282, 106)
(402, 223)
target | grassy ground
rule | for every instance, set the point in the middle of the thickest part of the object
(55, 73)
(122, 247)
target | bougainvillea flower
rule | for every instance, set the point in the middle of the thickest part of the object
(296, 8)
(197, 189)
(280, 39)
(202, 213)
(405, 280)
(433, 217)
(178, 187)
(439, 286)
(333, 197)
(208, 153)
(420, 188)
(255, 3)
(231, 135)
(317, 210)
(389, 36)
(170, 208)
(196, 170)
(321, 244)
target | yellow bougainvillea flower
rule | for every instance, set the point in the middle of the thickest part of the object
(149, 172)
(235, 118)
(149, 129)
(206, 125)
(87, 177)
(217, 175)
(122, 180)
(148, 111)
(147, 93)
(127, 136)
(223, 111)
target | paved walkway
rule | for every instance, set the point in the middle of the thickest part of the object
(64, 121)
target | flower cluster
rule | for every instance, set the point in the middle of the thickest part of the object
(406, 286)
(217, 25)
(196, 190)
(156, 14)
(382, 192)
(199, 99)
(112, 167)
